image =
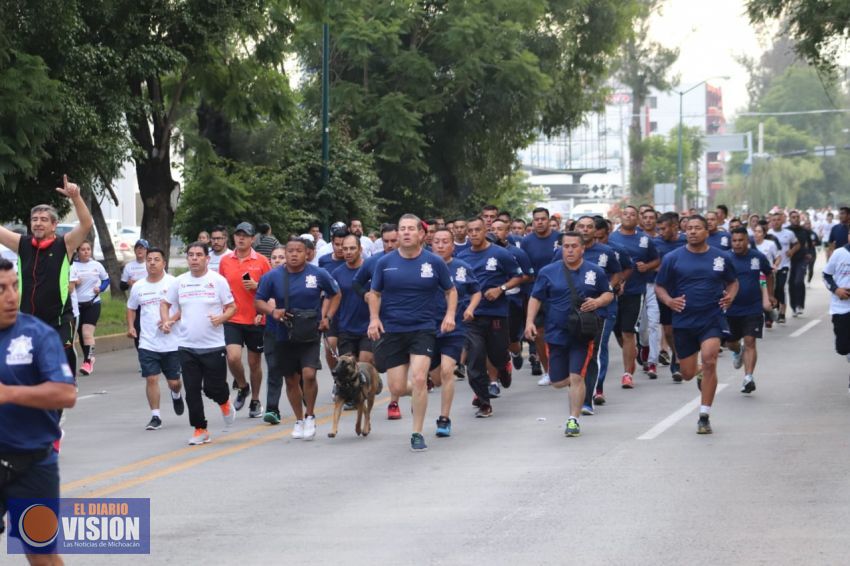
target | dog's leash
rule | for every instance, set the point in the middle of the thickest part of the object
(334, 353)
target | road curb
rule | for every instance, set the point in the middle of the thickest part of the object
(112, 343)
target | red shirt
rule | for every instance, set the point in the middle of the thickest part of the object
(233, 268)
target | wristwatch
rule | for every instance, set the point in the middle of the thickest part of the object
(503, 288)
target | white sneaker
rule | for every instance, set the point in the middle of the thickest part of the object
(310, 428)
(298, 430)
(544, 380)
(230, 416)
(737, 360)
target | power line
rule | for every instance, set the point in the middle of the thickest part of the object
(797, 112)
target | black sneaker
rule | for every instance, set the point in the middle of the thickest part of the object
(460, 371)
(154, 424)
(444, 427)
(664, 358)
(703, 426)
(417, 443)
(241, 396)
(484, 411)
(178, 404)
(781, 319)
(517, 359)
(536, 368)
(748, 386)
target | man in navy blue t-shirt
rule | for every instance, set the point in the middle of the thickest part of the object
(329, 262)
(35, 383)
(569, 355)
(669, 239)
(746, 315)
(487, 335)
(717, 236)
(402, 312)
(698, 283)
(352, 317)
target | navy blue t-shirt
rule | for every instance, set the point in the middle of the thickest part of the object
(640, 248)
(466, 285)
(31, 355)
(551, 288)
(517, 294)
(363, 277)
(461, 247)
(329, 263)
(493, 266)
(353, 314)
(748, 268)
(721, 240)
(664, 247)
(539, 249)
(305, 290)
(407, 288)
(839, 234)
(701, 278)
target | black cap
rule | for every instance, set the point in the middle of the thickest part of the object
(245, 227)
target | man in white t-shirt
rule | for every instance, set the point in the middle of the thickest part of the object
(355, 226)
(788, 247)
(135, 271)
(836, 275)
(157, 350)
(204, 304)
(218, 247)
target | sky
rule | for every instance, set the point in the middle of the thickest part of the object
(709, 34)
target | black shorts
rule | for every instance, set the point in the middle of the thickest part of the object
(689, 340)
(353, 344)
(333, 328)
(665, 313)
(743, 326)
(450, 346)
(394, 349)
(248, 335)
(516, 321)
(155, 363)
(292, 357)
(841, 327)
(628, 313)
(66, 330)
(39, 481)
(89, 313)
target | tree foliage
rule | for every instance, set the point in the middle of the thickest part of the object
(660, 158)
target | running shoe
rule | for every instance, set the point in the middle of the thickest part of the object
(179, 405)
(599, 398)
(627, 381)
(586, 409)
(643, 354)
(536, 367)
(430, 383)
(272, 417)
(444, 427)
(154, 424)
(800, 311)
(703, 426)
(699, 378)
(228, 413)
(781, 319)
(393, 412)
(310, 428)
(652, 371)
(543, 381)
(255, 410)
(460, 371)
(768, 323)
(749, 385)
(87, 367)
(677, 375)
(664, 358)
(572, 428)
(737, 360)
(475, 401)
(517, 360)
(417, 443)
(494, 390)
(241, 397)
(298, 430)
(795, 313)
(201, 436)
(506, 375)
(484, 411)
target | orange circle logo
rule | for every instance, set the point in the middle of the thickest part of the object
(38, 525)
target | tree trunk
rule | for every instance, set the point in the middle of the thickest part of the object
(110, 261)
(635, 137)
(155, 187)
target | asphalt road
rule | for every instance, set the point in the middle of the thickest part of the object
(639, 486)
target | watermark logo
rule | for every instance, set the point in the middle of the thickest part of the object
(79, 526)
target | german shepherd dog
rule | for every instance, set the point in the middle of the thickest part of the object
(357, 383)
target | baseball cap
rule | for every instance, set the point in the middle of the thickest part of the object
(142, 242)
(245, 227)
(308, 240)
(338, 226)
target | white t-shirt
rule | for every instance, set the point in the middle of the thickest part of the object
(134, 270)
(215, 260)
(787, 239)
(839, 267)
(770, 251)
(148, 296)
(74, 277)
(90, 273)
(198, 298)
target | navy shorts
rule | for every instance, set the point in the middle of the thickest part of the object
(291, 357)
(155, 363)
(572, 359)
(628, 313)
(665, 313)
(743, 326)
(394, 349)
(39, 481)
(451, 346)
(689, 340)
(516, 320)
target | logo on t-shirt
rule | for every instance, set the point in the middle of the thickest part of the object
(754, 263)
(590, 278)
(724, 241)
(460, 274)
(492, 264)
(20, 351)
(311, 282)
(603, 260)
(644, 241)
(427, 270)
(718, 264)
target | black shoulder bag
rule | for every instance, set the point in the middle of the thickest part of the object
(584, 326)
(302, 325)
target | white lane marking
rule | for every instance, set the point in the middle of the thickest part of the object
(99, 393)
(809, 326)
(680, 414)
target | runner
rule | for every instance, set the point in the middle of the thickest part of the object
(204, 303)
(838, 234)
(449, 346)
(836, 276)
(243, 269)
(518, 296)
(265, 241)
(35, 383)
(274, 384)
(649, 338)
(136, 271)
(788, 246)
(461, 240)
(218, 247)
(718, 237)
(799, 264)
(697, 282)
(157, 350)
(355, 226)
(352, 318)
(570, 355)
(306, 298)
(402, 313)
(93, 280)
(669, 239)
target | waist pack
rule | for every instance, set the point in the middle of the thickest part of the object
(13, 466)
(583, 326)
(302, 325)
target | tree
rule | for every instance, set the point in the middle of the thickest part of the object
(773, 182)
(660, 156)
(819, 28)
(445, 93)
